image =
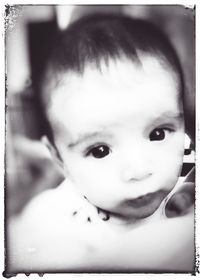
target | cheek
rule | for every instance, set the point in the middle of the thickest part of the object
(169, 163)
(86, 174)
(95, 180)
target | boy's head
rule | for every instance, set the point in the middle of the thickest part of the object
(113, 97)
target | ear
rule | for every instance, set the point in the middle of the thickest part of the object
(52, 151)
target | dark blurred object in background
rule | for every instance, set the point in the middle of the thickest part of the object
(33, 172)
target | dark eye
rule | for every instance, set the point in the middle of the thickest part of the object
(99, 151)
(157, 134)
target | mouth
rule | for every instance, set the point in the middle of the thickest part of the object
(146, 199)
(142, 206)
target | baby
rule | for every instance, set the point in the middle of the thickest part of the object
(112, 94)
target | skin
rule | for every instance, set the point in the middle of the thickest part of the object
(139, 161)
(120, 133)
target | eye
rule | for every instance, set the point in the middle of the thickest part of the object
(157, 134)
(99, 151)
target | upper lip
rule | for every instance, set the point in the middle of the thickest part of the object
(146, 199)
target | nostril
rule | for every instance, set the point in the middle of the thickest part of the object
(142, 177)
(135, 176)
(148, 175)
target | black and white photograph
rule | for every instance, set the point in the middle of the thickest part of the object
(100, 139)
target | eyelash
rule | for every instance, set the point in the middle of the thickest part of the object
(102, 150)
(99, 151)
(160, 137)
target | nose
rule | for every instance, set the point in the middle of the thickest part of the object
(132, 174)
(136, 168)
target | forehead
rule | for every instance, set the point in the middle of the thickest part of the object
(121, 86)
(117, 71)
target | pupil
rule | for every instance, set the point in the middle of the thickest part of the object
(157, 135)
(100, 151)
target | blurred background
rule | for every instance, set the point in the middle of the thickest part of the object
(29, 32)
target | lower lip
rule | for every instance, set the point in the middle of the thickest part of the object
(146, 199)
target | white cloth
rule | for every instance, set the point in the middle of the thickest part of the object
(53, 233)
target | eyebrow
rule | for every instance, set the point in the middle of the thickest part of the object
(166, 116)
(88, 136)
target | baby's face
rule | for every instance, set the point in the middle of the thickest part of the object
(120, 133)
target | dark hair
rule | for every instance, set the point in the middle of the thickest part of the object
(99, 37)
